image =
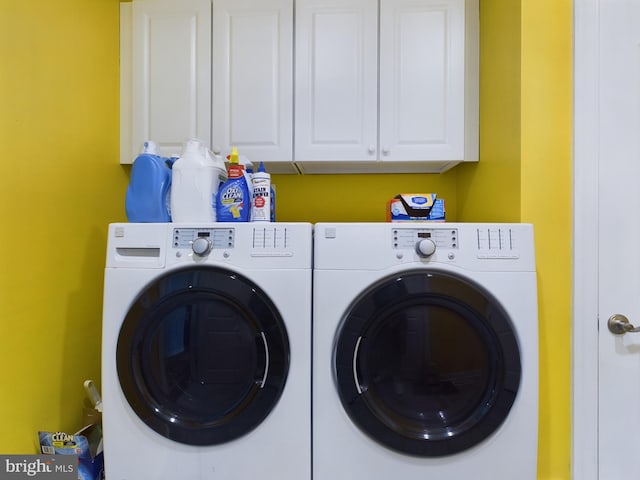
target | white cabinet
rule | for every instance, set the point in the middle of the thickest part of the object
(336, 97)
(166, 79)
(375, 85)
(388, 86)
(219, 71)
(252, 80)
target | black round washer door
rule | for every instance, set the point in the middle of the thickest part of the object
(427, 363)
(202, 356)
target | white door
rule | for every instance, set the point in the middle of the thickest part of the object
(607, 161)
(252, 80)
(336, 99)
(422, 96)
(171, 73)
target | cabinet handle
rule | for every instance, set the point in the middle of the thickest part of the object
(385, 150)
(371, 149)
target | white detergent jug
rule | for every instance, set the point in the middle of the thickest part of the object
(194, 185)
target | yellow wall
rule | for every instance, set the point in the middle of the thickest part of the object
(60, 186)
(349, 198)
(490, 190)
(546, 202)
(59, 133)
(525, 175)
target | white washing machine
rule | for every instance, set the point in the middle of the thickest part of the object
(425, 352)
(206, 351)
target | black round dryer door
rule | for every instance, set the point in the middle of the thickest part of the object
(427, 363)
(202, 356)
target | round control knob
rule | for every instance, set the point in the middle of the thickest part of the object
(426, 247)
(201, 246)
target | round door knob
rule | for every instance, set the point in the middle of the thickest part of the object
(618, 324)
(426, 247)
(201, 246)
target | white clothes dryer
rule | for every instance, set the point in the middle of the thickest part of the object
(206, 351)
(425, 351)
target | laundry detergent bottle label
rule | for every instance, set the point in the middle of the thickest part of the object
(261, 196)
(233, 203)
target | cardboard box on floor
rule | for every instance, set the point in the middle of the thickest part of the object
(85, 443)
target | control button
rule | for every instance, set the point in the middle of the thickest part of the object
(426, 247)
(330, 232)
(201, 246)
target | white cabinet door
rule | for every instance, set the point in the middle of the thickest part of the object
(395, 95)
(336, 100)
(252, 80)
(422, 80)
(170, 73)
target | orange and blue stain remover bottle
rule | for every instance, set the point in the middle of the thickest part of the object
(233, 203)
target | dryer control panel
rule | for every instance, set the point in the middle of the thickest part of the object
(408, 238)
(377, 246)
(217, 237)
(271, 237)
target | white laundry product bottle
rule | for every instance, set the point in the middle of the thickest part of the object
(261, 196)
(246, 164)
(221, 168)
(221, 172)
(194, 185)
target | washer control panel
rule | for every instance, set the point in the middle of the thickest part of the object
(202, 240)
(410, 238)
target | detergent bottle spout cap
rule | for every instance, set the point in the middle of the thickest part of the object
(261, 167)
(193, 145)
(150, 147)
(234, 156)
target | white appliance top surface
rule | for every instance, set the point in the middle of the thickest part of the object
(376, 246)
(239, 245)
